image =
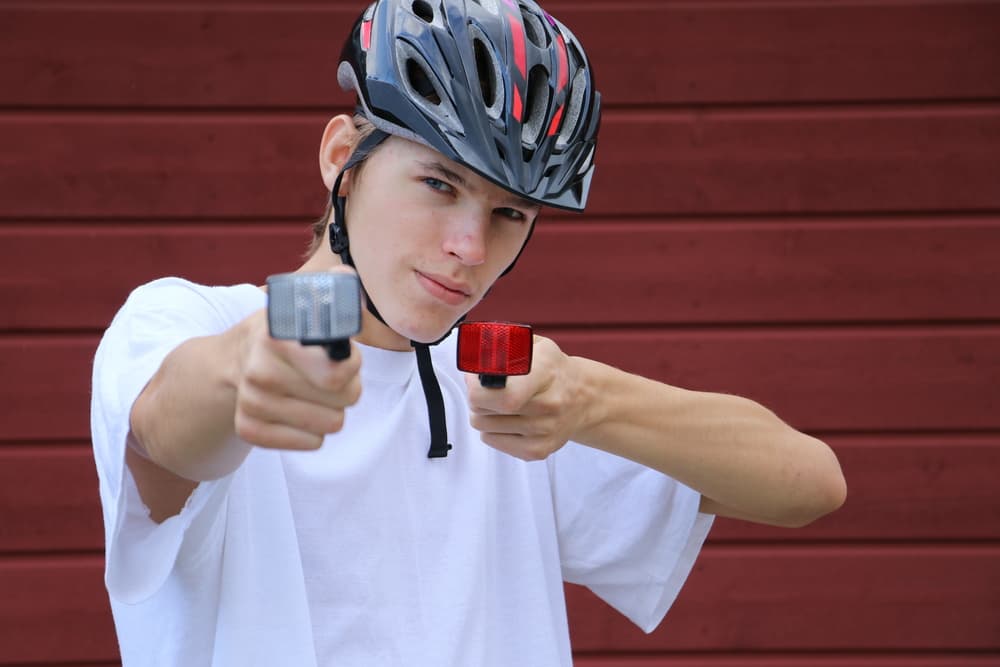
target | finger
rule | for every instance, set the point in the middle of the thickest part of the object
(296, 413)
(268, 391)
(275, 436)
(521, 447)
(288, 368)
(507, 425)
(506, 401)
(313, 364)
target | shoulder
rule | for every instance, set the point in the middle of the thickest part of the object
(161, 314)
(173, 292)
(176, 300)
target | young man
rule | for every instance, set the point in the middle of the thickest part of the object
(265, 505)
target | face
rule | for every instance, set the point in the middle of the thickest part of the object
(429, 237)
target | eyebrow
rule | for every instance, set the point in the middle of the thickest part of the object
(458, 179)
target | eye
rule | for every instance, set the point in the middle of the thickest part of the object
(438, 184)
(511, 214)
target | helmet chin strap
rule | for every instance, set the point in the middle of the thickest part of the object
(340, 245)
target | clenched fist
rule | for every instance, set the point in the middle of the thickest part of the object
(289, 395)
(535, 414)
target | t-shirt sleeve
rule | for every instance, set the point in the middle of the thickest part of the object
(140, 553)
(627, 532)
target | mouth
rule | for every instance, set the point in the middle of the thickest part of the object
(444, 289)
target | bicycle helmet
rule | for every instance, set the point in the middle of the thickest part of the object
(498, 86)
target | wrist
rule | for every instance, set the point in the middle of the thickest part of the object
(592, 397)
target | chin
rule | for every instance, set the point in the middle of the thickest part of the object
(428, 336)
(427, 331)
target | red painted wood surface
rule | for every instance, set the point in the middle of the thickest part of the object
(742, 660)
(646, 52)
(55, 609)
(711, 162)
(674, 272)
(854, 659)
(753, 660)
(823, 597)
(795, 201)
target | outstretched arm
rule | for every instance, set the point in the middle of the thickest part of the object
(745, 461)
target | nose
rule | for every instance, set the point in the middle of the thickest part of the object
(465, 237)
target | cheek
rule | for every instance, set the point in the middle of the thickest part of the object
(508, 240)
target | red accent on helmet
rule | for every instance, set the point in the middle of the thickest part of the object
(366, 35)
(494, 348)
(518, 109)
(554, 127)
(563, 65)
(520, 52)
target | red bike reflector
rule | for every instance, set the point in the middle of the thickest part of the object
(494, 348)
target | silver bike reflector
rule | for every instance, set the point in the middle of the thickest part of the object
(315, 309)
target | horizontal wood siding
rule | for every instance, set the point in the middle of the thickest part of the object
(726, 162)
(649, 53)
(723, 271)
(798, 202)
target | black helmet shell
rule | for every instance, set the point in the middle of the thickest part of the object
(499, 86)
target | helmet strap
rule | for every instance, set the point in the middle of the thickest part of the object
(340, 245)
(339, 242)
(435, 403)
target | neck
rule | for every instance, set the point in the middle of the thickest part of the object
(376, 334)
(373, 333)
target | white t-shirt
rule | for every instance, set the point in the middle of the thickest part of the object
(366, 552)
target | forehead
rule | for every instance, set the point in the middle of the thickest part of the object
(415, 155)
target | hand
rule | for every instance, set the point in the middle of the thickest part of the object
(535, 414)
(290, 395)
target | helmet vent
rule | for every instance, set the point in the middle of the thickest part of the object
(489, 73)
(537, 104)
(423, 87)
(424, 10)
(576, 94)
(420, 82)
(534, 29)
(484, 67)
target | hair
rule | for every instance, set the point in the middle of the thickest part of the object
(364, 128)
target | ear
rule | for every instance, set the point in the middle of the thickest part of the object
(339, 139)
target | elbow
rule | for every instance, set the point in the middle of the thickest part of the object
(838, 492)
(825, 498)
(826, 493)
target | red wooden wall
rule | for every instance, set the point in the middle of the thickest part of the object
(795, 201)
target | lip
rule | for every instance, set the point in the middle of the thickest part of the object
(444, 289)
